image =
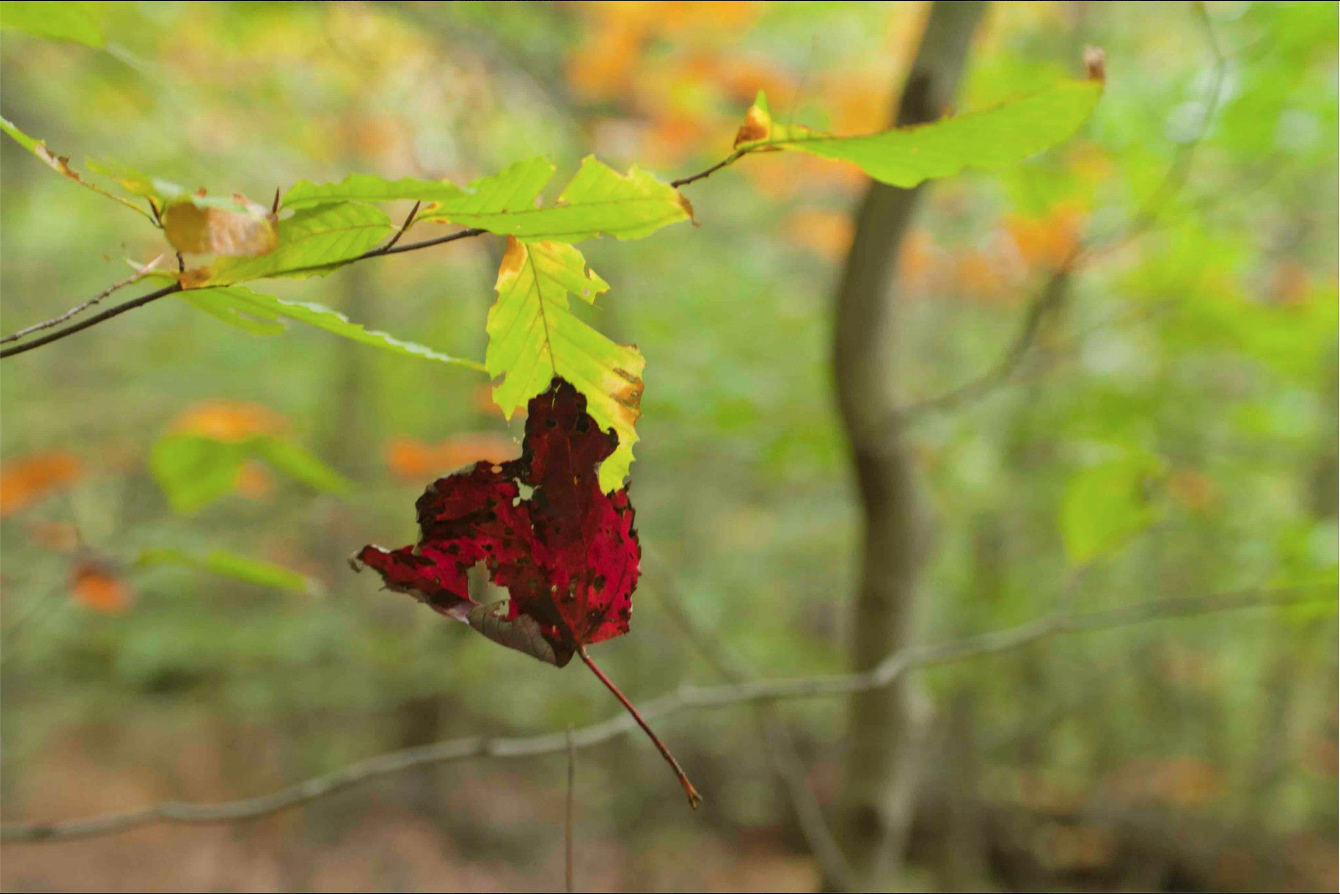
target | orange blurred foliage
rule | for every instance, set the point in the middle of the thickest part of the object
(253, 481)
(27, 479)
(827, 233)
(412, 460)
(1049, 241)
(96, 587)
(228, 420)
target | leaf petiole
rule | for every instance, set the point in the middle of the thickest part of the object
(694, 798)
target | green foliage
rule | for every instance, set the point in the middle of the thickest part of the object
(54, 21)
(1106, 505)
(195, 470)
(369, 188)
(534, 336)
(262, 314)
(313, 242)
(598, 200)
(232, 565)
(905, 156)
(60, 164)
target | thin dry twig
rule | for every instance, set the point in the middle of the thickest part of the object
(80, 308)
(571, 811)
(779, 744)
(888, 671)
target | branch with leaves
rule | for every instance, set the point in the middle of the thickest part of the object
(540, 353)
(888, 671)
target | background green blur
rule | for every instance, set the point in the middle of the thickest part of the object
(1194, 754)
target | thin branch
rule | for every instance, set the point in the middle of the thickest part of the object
(91, 321)
(692, 793)
(725, 162)
(80, 308)
(778, 743)
(409, 221)
(1054, 292)
(687, 698)
(570, 811)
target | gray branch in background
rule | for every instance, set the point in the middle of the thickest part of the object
(891, 669)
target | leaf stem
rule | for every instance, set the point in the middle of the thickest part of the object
(694, 798)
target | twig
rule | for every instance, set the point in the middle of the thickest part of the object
(688, 698)
(571, 810)
(728, 160)
(80, 308)
(91, 321)
(390, 248)
(694, 798)
(403, 227)
(778, 743)
(1054, 292)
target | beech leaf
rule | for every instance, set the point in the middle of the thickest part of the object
(598, 200)
(905, 156)
(534, 336)
(263, 314)
(313, 242)
(246, 233)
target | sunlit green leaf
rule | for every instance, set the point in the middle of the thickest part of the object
(598, 200)
(52, 20)
(369, 188)
(905, 156)
(61, 165)
(263, 314)
(312, 242)
(533, 336)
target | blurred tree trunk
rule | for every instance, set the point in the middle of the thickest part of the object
(876, 803)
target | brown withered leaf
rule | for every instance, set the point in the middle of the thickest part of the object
(243, 231)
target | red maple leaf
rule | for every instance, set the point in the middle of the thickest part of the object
(566, 552)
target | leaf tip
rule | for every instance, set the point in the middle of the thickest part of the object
(1095, 63)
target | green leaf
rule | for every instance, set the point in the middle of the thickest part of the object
(598, 200)
(369, 188)
(54, 21)
(905, 156)
(61, 165)
(534, 336)
(228, 564)
(1106, 505)
(313, 242)
(194, 470)
(262, 314)
(297, 463)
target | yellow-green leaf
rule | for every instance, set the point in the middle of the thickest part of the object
(263, 314)
(597, 201)
(313, 242)
(534, 336)
(905, 156)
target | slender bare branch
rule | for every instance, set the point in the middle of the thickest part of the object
(885, 673)
(570, 811)
(80, 308)
(725, 162)
(779, 744)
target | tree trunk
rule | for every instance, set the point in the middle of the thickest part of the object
(875, 806)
